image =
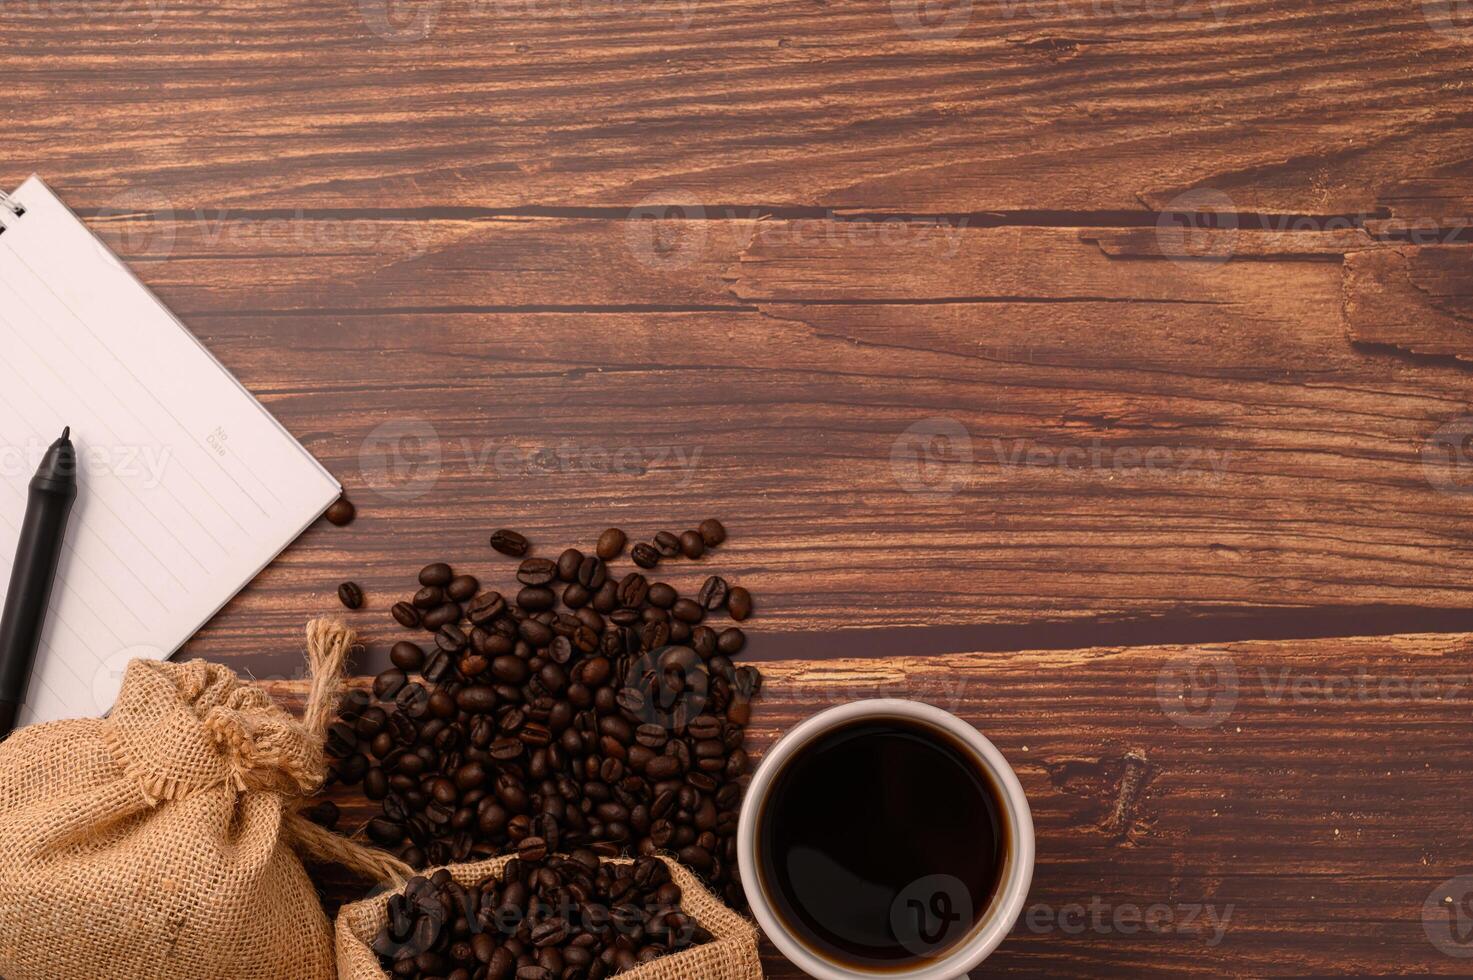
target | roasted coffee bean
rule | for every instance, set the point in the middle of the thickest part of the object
(567, 564)
(440, 616)
(342, 740)
(644, 556)
(353, 768)
(413, 700)
(375, 783)
(429, 597)
(662, 596)
(342, 512)
(713, 592)
(576, 596)
(712, 532)
(389, 683)
(692, 545)
(537, 571)
(537, 633)
(739, 603)
(350, 595)
(536, 598)
(704, 727)
(510, 543)
(486, 607)
(703, 641)
(476, 699)
(533, 849)
(730, 641)
(687, 611)
(370, 722)
(405, 615)
(667, 544)
(437, 667)
(437, 574)
(611, 544)
(633, 590)
(407, 656)
(560, 650)
(592, 573)
(442, 705)
(385, 832)
(451, 638)
(462, 587)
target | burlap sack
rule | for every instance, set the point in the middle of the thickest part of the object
(163, 842)
(731, 956)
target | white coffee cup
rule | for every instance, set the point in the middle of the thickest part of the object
(1017, 875)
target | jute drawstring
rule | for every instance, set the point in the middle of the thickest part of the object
(329, 644)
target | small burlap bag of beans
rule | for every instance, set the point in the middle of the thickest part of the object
(164, 840)
(727, 947)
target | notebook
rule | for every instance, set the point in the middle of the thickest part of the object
(187, 485)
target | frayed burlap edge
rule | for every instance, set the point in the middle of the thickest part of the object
(732, 955)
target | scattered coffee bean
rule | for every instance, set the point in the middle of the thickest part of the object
(440, 616)
(644, 556)
(510, 543)
(739, 603)
(568, 563)
(713, 593)
(712, 532)
(611, 544)
(462, 587)
(486, 608)
(429, 597)
(692, 545)
(687, 611)
(388, 684)
(342, 512)
(407, 656)
(611, 722)
(537, 571)
(326, 813)
(667, 544)
(405, 615)
(350, 595)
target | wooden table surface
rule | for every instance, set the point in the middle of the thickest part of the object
(1093, 368)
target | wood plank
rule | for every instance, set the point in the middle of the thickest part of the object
(1278, 106)
(1313, 796)
(802, 380)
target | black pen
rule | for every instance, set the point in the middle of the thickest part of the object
(53, 491)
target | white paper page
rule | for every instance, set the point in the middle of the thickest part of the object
(187, 486)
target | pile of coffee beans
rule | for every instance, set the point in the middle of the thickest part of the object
(588, 709)
(542, 918)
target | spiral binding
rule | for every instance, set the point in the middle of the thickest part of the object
(10, 204)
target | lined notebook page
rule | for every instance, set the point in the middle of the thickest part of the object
(187, 486)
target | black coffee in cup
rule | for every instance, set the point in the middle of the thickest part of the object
(883, 843)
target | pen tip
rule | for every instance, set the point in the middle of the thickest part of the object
(66, 433)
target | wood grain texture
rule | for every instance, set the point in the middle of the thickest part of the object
(1418, 299)
(1298, 791)
(1026, 105)
(1040, 356)
(1129, 437)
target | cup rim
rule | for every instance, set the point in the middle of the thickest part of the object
(1019, 874)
